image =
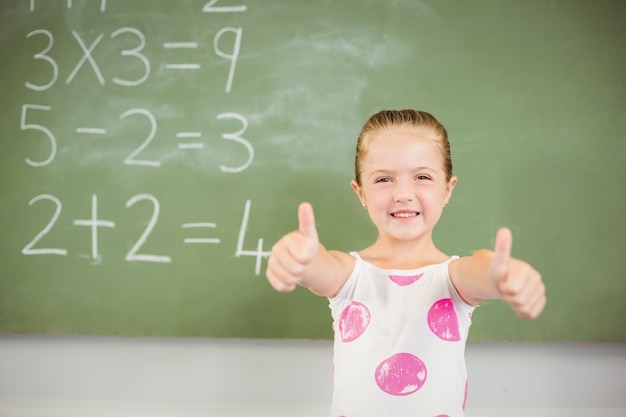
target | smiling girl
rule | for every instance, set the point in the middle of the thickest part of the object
(401, 307)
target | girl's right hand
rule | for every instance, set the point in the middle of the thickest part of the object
(294, 252)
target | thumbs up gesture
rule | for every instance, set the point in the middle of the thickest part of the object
(294, 252)
(518, 283)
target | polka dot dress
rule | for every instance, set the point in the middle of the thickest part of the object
(399, 343)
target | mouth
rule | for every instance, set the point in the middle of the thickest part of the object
(404, 214)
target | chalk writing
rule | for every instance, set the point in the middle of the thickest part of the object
(130, 160)
(211, 8)
(135, 53)
(40, 128)
(200, 240)
(181, 45)
(42, 55)
(259, 253)
(103, 5)
(28, 249)
(135, 254)
(129, 43)
(94, 222)
(86, 57)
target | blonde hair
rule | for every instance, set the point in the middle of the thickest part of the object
(425, 123)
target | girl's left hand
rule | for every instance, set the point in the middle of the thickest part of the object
(519, 284)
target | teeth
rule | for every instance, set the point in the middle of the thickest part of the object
(404, 214)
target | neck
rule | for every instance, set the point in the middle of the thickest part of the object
(403, 255)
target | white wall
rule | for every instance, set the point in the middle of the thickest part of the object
(105, 376)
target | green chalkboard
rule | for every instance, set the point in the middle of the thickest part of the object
(151, 153)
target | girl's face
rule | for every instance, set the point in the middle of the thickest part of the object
(403, 184)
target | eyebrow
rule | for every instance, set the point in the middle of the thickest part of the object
(392, 170)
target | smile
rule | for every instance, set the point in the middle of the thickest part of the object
(405, 214)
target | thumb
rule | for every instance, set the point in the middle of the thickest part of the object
(306, 222)
(502, 253)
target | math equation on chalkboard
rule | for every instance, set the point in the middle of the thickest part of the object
(39, 121)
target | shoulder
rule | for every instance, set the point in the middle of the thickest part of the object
(343, 266)
(344, 263)
(454, 265)
(456, 268)
(467, 275)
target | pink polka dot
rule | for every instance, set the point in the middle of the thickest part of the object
(443, 321)
(403, 281)
(354, 320)
(401, 374)
(442, 415)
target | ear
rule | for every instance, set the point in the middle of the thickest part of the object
(449, 187)
(359, 191)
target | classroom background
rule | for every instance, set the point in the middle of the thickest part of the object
(152, 153)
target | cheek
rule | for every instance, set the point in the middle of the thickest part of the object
(379, 199)
(434, 200)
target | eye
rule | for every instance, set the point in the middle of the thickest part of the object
(383, 179)
(423, 177)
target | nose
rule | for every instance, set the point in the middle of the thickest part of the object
(403, 192)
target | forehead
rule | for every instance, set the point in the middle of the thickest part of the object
(401, 144)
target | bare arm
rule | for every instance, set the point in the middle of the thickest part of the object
(490, 275)
(299, 259)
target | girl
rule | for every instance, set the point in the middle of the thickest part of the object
(401, 307)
